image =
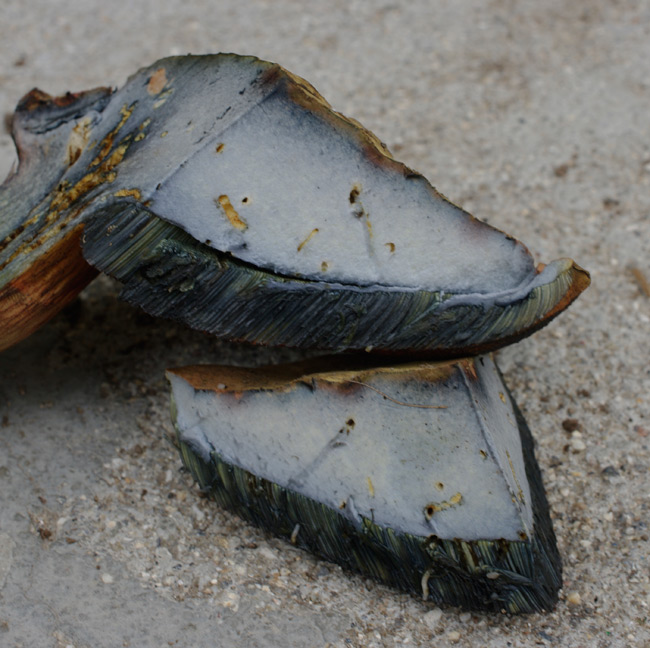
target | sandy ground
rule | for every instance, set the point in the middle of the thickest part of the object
(534, 116)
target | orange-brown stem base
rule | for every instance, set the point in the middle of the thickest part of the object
(38, 294)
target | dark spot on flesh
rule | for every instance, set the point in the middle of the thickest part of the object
(269, 76)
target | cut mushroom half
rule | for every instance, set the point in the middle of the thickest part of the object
(226, 193)
(421, 475)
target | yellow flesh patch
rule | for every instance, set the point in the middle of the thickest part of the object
(231, 214)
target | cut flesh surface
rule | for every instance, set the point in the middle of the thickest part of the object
(372, 442)
(250, 161)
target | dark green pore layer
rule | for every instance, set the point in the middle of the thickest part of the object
(490, 575)
(169, 274)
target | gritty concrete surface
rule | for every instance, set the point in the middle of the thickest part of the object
(534, 116)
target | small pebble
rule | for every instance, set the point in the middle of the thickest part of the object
(570, 424)
(453, 636)
(578, 445)
(465, 617)
(229, 600)
(267, 553)
(573, 598)
(432, 618)
(107, 578)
